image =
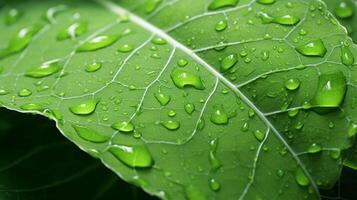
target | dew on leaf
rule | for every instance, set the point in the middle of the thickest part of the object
(51, 12)
(265, 2)
(171, 125)
(124, 126)
(46, 69)
(314, 48)
(85, 108)
(90, 134)
(287, 20)
(347, 57)
(352, 130)
(32, 106)
(292, 84)
(24, 93)
(343, 10)
(93, 67)
(152, 5)
(314, 148)
(214, 184)
(214, 161)
(12, 16)
(219, 116)
(182, 62)
(228, 62)
(136, 156)
(158, 41)
(189, 108)
(183, 78)
(3, 92)
(193, 193)
(72, 31)
(162, 98)
(259, 135)
(221, 25)
(301, 178)
(125, 48)
(217, 4)
(98, 42)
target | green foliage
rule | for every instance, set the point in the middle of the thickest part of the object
(244, 99)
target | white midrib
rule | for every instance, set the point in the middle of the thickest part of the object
(155, 30)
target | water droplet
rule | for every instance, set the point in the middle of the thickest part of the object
(182, 78)
(171, 113)
(214, 161)
(158, 41)
(287, 20)
(265, 2)
(344, 10)
(330, 92)
(98, 42)
(46, 69)
(292, 84)
(193, 193)
(352, 130)
(313, 48)
(90, 134)
(314, 148)
(347, 57)
(3, 92)
(171, 125)
(301, 178)
(162, 98)
(20, 41)
(124, 126)
(152, 5)
(189, 108)
(182, 62)
(51, 12)
(24, 93)
(85, 108)
(228, 62)
(72, 31)
(335, 154)
(32, 106)
(125, 48)
(12, 16)
(137, 156)
(217, 4)
(221, 25)
(293, 112)
(93, 67)
(280, 173)
(214, 184)
(259, 135)
(219, 116)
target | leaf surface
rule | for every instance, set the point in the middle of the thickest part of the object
(190, 99)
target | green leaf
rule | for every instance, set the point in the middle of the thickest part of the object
(241, 99)
(345, 11)
(33, 165)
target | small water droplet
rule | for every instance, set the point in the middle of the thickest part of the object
(301, 178)
(217, 4)
(214, 161)
(93, 67)
(352, 130)
(292, 84)
(221, 25)
(313, 48)
(265, 2)
(125, 48)
(182, 62)
(287, 20)
(162, 98)
(90, 134)
(259, 135)
(152, 5)
(171, 125)
(219, 116)
(98, 42)
(189, 108)
(183, 78)
(193, 193)
(12, 16)
(137, 156)
(72, 31)
(3, 92)
(314, 148)
(124, 126)
(344, 10)
(46, 69)
(25, 93)
(347, 57)
(214, 184)
(228, 62)
(85, 108)
(158, 41)
(32, 106)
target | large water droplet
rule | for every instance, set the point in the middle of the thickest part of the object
(347, 57)
(85, 108)
(287, 20)
(265, 2)
(292, 84)
(343, 10)
(219, 116)
(124, 126)
(137, 156)
(217, 4)
(330, 92)
(162, 98)
(20, 41)
(12, 16)
(93, 67)
(46, 69)
(171, 125)
(182, 78)
(301, 178)
(314, 148)
(313, 48)
(98, 42)
(259, 135)
(214, 161)
(228, 62)
(72, 31)
(90, 134)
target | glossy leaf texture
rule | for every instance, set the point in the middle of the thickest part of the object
(190, 99)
